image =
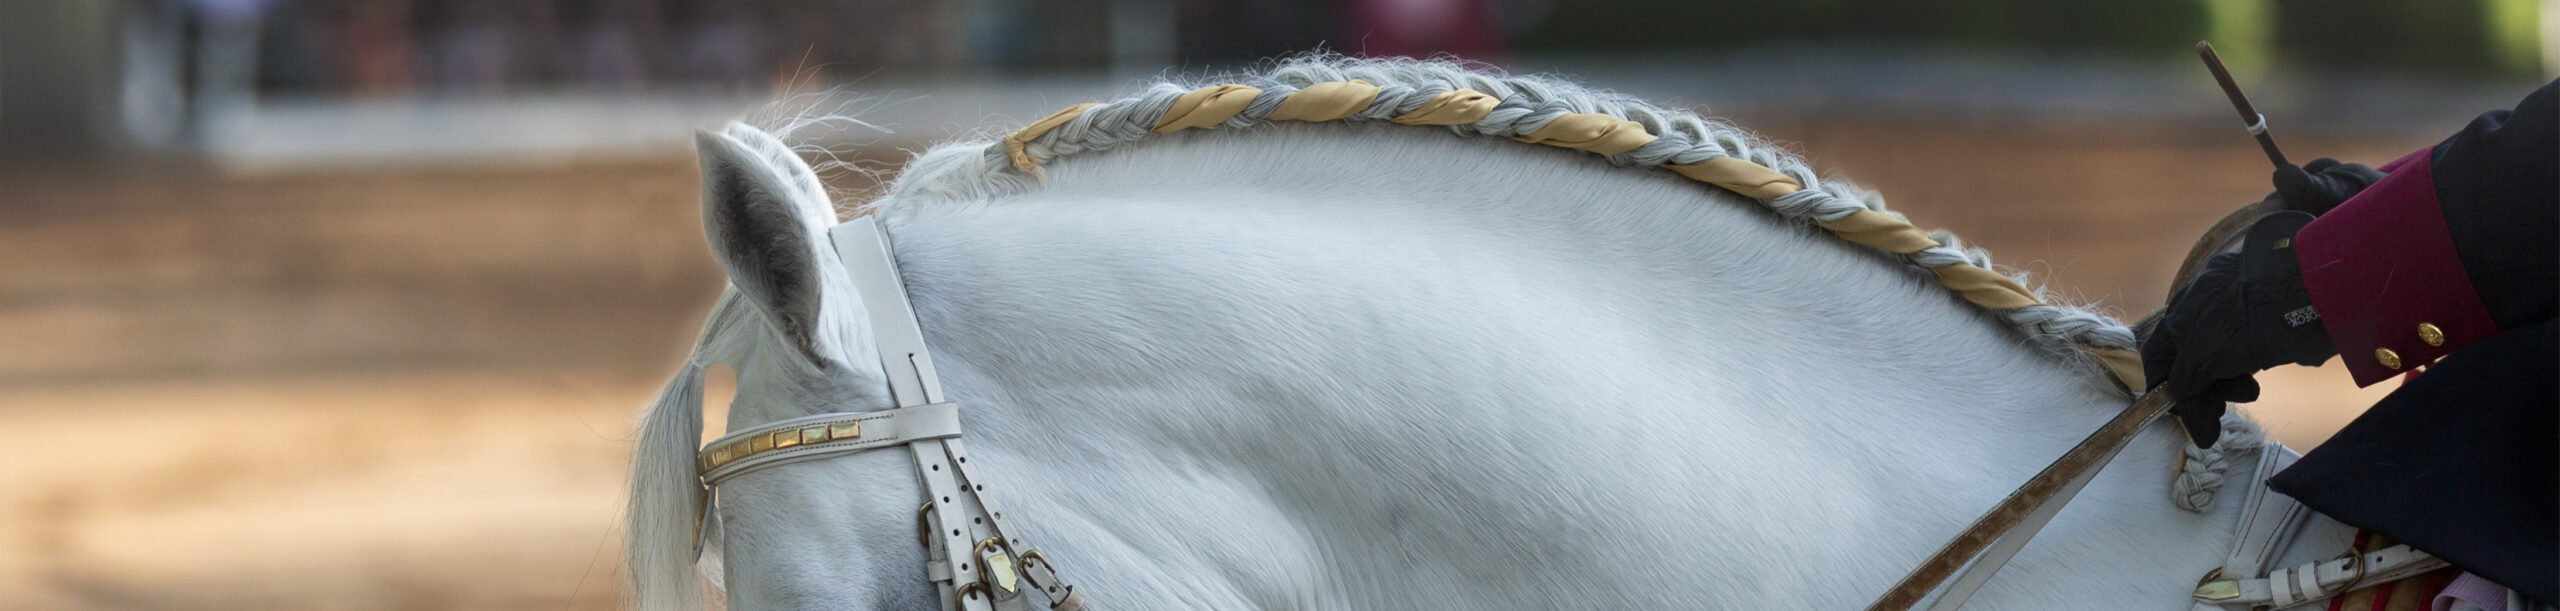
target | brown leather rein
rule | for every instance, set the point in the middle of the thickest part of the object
(2092, 452)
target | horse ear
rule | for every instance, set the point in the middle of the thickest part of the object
(794, 171)
(765, 235)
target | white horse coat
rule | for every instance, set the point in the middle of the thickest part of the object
(1373, 366)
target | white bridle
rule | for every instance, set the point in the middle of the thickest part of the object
(958, 520)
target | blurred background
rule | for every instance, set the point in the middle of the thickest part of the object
(351, 303)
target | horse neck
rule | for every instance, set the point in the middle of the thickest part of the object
(1275, 235)
(1430, 320)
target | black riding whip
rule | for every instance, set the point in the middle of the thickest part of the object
(2249, 117)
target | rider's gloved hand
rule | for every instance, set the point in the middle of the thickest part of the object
(2246, 312)
(2323, 184)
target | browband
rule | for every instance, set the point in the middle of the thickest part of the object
(825, 435)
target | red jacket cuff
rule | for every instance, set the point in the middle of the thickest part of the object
(2382, 270)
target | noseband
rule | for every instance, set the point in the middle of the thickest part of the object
(958, 519)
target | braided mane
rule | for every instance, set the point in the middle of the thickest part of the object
(1477, 101)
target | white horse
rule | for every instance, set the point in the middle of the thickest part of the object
(1361, 365)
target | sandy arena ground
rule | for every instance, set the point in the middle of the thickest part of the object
(413, 390)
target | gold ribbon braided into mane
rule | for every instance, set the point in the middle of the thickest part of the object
(1327, 101)
(1014, 142)
(1205, 107)
(1598, 133)
(1453, 108)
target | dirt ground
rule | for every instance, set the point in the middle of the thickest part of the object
(414, 389)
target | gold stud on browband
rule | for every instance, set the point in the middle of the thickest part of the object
(734, 451)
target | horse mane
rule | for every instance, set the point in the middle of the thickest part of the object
(975, 170)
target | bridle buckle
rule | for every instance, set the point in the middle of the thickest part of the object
(1003, 580)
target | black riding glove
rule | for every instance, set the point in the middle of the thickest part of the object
(2322, 185)
(2246, 312)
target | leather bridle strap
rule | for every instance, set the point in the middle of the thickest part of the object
(2292, 586)
(972, 547)
(2019, 516)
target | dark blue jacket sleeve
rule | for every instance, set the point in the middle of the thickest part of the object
(2498, 182)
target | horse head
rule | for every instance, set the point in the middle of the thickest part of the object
(793, 330)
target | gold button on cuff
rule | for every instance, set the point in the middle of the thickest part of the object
(2431, 334)
(2389, 359)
